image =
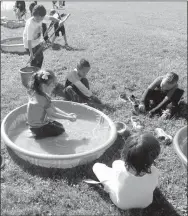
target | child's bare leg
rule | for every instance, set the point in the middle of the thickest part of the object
(65, 39)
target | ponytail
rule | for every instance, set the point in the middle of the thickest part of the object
(39, 78)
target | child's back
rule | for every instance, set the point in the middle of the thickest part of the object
(131, 187)
(36, 110)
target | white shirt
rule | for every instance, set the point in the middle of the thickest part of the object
(125, 189)
(33, 32)
(74, 78)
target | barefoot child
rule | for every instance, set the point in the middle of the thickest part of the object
(77, 85)
(131, 181)
(33, 37)
(162, 96)
(40, 108)
(58, 29)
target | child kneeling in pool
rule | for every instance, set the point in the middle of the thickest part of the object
(40, 107)
(131, 181)
(77, 85)
(162, 96)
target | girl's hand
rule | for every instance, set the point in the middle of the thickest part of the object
(72, 117)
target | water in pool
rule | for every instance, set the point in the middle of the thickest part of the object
(80, 136)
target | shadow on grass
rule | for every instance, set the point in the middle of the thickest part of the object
(57, 47)
(159, 207)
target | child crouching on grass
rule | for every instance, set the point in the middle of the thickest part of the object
(162, 96)
(40, 108)
(131, 181)
(33, 35)
(77, 85)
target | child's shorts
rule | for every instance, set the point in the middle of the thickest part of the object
(53, 128)
(61, 29)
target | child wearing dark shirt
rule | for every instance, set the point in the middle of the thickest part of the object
(162, 96)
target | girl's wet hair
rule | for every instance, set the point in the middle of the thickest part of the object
(140, 151)
(41, 77)
(83, 63)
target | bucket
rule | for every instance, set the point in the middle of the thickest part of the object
(26, 74)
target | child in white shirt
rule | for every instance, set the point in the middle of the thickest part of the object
(33, 36)
(131, 181)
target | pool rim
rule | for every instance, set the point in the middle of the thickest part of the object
(3, 42)
(108, 143)
(177, 147)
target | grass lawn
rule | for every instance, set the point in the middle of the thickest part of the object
(128, 46)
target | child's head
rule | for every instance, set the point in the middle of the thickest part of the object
(169, 81)
(140, 152)
(31, 6)
(52, 12)
(43, 81)
(39, 12)
(83, 67)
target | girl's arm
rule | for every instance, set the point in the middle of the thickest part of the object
(52, 112)
(57, 110)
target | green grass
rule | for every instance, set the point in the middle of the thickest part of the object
(128, 45)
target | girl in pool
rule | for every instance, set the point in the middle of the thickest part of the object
(132, 180)
(40, 107)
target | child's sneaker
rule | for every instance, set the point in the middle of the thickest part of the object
(133, 100)
(135, 104)
(163, 136)
(166, 114)
(136, 123)
(123, 97)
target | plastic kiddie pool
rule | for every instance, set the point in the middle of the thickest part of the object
(180, 145)
(13, 45)
(13, 23)
(85, 140)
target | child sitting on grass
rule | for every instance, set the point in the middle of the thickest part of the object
(33, 37)
(131, 181)
(40, 107)
(58, 29)
(162, 96)
(77, 85)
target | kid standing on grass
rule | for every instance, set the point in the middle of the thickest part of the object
(44, 26)
(33, 37)
(131, 181)
(162, 96)
(58, 29)
(40, 108)
(77, 85)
